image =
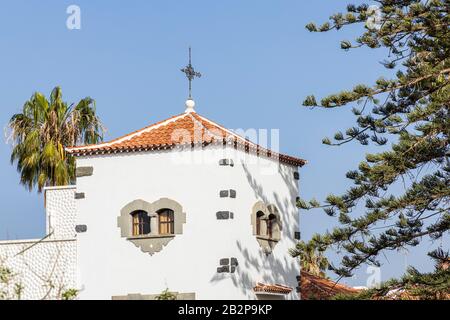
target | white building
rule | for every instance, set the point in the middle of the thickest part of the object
(184, 205)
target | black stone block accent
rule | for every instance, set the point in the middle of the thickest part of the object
(227, 193)
(297, 235)
(231, 215)
(226, 162)
(80, 228)
(223, 269)
(227, 265)
(79, 195)
(84, 171)
(223, 193)
(223, 215)
(296, 176)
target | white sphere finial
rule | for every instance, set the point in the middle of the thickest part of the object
(190, 104)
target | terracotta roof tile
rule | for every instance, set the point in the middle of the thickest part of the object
(184, 129)
(317, 288)
(271, 288)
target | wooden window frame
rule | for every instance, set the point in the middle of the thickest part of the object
(270, 222)
(138, 223)
(169, 224)
(259, 219)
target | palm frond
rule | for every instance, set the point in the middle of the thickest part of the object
(42, 131)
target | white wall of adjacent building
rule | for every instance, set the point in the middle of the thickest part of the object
(45, 268)
(109, 265)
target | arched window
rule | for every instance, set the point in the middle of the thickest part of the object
(141, 223)
(271, 225)
(166, 221)
(259, 219)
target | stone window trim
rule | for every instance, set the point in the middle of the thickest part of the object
(266, 238)
(269, 210)
(149, 236)
(152, 242)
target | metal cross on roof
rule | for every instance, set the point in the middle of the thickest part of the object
(190, 73)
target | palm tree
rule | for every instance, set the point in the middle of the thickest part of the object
(41, 132)
(312, 260)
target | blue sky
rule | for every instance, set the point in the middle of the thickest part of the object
(258, 63)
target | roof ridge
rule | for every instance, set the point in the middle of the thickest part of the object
(219, 126)
(203, 127)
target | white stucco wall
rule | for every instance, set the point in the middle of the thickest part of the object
(61, 211)
(109, 265)
(46, 267)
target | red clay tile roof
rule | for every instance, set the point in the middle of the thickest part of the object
(271, 288)
(185, 129)
(317, 288)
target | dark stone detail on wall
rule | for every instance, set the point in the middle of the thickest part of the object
(223, 269)
(231, 215)
(223, 193)
(296, 175)
(80, 228)
(84, 171)
(297, 235)
(227, 265)
(227, 193)
(223, 215)
(79, 195)
(226, 162)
